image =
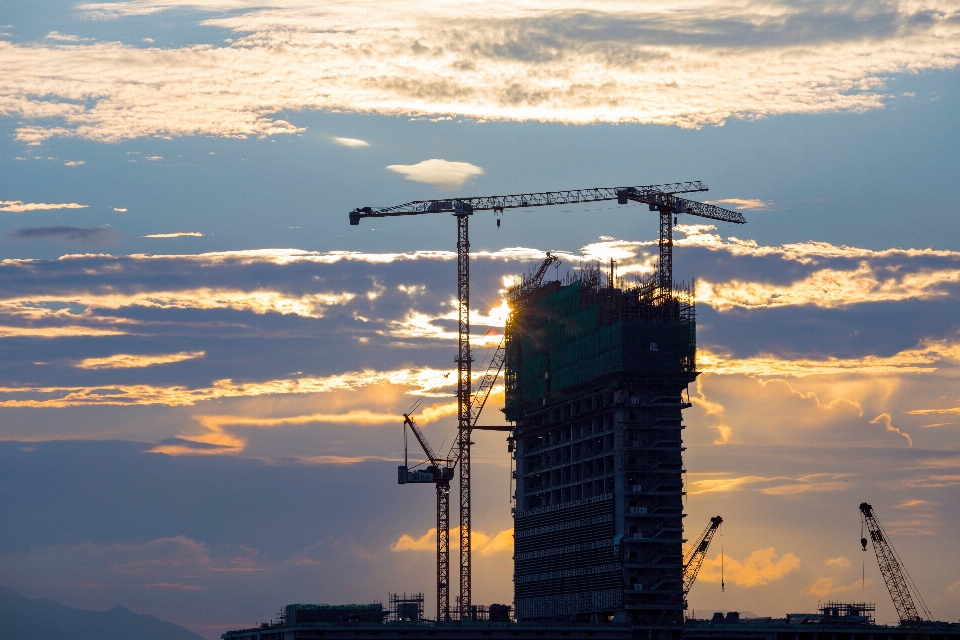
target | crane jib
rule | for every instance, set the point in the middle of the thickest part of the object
(659, 196)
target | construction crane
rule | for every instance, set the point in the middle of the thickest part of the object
(496, 362)
(899, 583)
(691, 565)
(439, 472)
(661, 198)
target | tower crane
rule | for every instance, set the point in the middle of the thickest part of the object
(441, 470)
(691, 565)
(899, 583)
(661, 198)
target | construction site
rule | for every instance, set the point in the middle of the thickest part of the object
(595, 370)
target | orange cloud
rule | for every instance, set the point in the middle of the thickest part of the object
(176, 395)
(129, 361)
(830, 288)
(481, 542)
(776, 486)
(839, 563)
(824, 586)
(885, 420)
(920, 359)
(759, 568)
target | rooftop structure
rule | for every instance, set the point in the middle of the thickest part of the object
(729, 627)
(595, 371)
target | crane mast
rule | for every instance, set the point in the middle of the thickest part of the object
(895, 575)
(691, 566)
(464, 367)
(661, 198)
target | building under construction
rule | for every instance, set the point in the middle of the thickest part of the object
(595, 374)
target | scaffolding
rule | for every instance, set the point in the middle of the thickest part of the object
(406, 608)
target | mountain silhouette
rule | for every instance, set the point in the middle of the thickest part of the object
(43, 619)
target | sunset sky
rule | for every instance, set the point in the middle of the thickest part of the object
(202, 364)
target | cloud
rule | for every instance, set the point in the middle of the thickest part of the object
(178, 234)
(62, 37)
(885, 420)
(173, 585)
(17, 206)
(824, 586)
(910, 504)
(81, 236)
(481, 542)
(442, 173)
(421, 379)
(926, 412)
(759, 568)
(741, 203)
(936, 481)
(775, 486)
(74, 163)
(215, 439)
(129, 361)
(831, 288)
(351, 142)
(839, 563)
(63, 331)
(551, 61)
(120, 209)
(307, 305)
(921, 359)
(954, 588)
(154, 158)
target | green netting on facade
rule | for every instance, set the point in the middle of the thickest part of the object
(574, 335)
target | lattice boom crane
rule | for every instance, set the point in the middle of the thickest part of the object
(691, 566)
(440, 473)
(661, 198)
(895, 575)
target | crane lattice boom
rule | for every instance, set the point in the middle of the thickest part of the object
(895, 575)
(427, 449)
(691, 565)
(496, 363)
(544, 198)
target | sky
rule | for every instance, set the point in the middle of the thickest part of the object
(203, 363)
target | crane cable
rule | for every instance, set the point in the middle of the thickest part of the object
(423, 395)
(863, 557)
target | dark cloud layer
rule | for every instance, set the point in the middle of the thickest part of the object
(80, 236)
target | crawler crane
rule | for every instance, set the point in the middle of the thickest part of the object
(691, 565)
(899, 583)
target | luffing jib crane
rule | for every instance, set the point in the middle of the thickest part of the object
(661, 198)
(440, 473)
(899, 583)
(691, 565)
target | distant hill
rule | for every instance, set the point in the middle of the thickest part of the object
(42, 619)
